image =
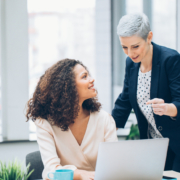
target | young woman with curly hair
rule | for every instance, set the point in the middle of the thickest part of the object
(70, 124)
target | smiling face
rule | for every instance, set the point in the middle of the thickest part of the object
(84, 83)
(136, 47)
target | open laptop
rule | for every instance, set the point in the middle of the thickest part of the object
(131, 160)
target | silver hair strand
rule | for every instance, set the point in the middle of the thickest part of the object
(134, 24)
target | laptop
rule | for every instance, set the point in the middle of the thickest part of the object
(131, 160)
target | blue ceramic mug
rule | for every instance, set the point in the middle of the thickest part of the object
(62, 174)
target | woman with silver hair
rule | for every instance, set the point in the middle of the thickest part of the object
(151, 86)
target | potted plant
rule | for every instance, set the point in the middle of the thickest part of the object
(134, 133)
(14, 171)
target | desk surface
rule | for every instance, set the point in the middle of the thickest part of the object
(172, 174)
(166, 173)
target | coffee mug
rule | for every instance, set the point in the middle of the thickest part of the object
(62, 174)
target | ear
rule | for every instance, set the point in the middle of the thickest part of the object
(149, 38)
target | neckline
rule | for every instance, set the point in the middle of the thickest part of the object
(145, 72)
(80, 145)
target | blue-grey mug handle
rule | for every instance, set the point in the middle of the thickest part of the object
(49, 174)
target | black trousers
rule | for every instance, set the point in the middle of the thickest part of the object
(172, 161)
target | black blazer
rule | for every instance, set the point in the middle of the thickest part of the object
(165, 84)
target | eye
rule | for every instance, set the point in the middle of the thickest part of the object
(135, 47)
(124, 47)
(84, 76)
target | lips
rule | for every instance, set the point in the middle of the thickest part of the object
(134, 58)
(91, 87)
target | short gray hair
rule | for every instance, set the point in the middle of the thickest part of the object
(134, 24)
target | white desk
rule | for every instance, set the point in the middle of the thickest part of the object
(172, 174)
(166, 173)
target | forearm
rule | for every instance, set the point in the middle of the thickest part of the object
(171, 110)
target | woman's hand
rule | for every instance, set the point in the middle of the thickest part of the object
(160, 108)
(83, 175)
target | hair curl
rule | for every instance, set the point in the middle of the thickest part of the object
(56, 98)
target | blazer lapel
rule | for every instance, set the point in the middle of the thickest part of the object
(155, 72)
(133, 84)
(154, 82)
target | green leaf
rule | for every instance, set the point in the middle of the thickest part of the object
(134, 133)
(14, 170)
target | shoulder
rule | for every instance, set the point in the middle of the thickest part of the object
(166, 57)
(168, 53)
(44, 125)
(171, 58)
(102, 116)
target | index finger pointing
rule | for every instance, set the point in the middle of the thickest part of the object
(149, 102)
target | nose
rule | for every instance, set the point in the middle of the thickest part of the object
(92, 79)
(129, 53)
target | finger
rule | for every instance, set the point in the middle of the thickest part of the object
(149, 102)
(159, 114)
(155, 101)
(158, 109)
(160, 105)
(158, 101)
(152, 101)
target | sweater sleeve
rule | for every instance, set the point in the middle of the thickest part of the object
(47, 149)
(110, 129)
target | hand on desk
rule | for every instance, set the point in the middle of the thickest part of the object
(160, 108)
(83, 175)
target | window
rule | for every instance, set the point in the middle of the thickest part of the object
(59, 29)
(164, 22)
(134, 6)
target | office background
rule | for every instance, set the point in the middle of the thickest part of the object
(34, 34)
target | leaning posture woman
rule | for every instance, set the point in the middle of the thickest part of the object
(70, 124)
(151, 86)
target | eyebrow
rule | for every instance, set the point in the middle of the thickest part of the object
(84, 73)
(131, 45)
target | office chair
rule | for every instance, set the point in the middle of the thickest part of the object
(35, 160)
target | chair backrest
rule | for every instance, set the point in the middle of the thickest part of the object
(36, 163)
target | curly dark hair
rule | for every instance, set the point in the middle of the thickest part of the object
(56, 98)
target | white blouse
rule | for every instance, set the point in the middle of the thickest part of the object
(143, 95)
(60, 150)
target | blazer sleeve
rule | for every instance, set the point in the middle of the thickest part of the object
(173, 71)
(47, 148)
(122, 106)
